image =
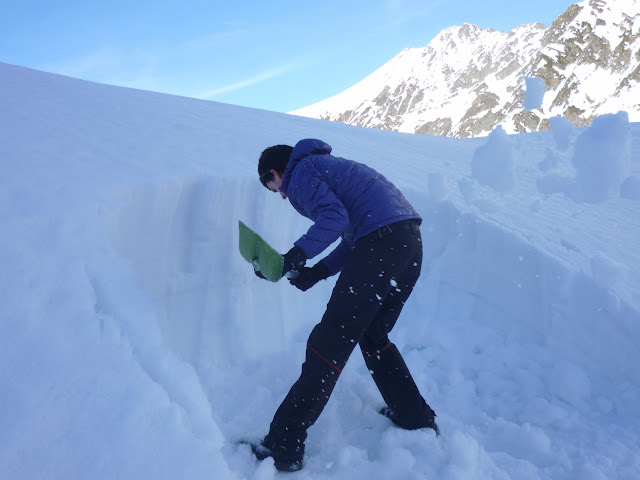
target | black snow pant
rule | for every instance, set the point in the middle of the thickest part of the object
(364, 306)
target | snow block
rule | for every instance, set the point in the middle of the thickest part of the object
(562, 130)
(492, 163)
(601, 158)
(630, 188)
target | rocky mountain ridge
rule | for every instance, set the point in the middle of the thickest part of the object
(469, 80)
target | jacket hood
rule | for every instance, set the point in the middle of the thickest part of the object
(304, 148)
(309, 146)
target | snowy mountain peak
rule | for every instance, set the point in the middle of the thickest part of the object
(468, 80)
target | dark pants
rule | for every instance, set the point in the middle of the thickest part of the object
(364, 306)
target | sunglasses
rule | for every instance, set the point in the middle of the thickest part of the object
(266, 177)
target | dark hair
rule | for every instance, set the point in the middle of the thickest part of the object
(273, 158)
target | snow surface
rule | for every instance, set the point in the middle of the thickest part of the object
(136, 343)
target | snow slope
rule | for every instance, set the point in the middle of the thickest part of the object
(136, 343)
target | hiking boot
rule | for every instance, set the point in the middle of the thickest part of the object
(430, 422)
(283, 459)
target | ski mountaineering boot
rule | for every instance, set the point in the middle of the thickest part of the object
(284, 459)
(430, 422)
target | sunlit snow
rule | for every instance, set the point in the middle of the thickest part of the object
(135, 342)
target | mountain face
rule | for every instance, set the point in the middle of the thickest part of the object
(468, 80)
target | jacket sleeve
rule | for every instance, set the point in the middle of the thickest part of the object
(321, 205)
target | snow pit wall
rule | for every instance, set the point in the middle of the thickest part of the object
(181, 240)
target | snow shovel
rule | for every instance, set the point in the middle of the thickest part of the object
(259, 253)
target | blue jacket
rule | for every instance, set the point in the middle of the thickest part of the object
(343, 198)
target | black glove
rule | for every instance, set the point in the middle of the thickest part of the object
(308, 277)
(259, 275)
(294, 260)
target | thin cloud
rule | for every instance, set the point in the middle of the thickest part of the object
(402, 12)
(214, 40)
(88, 66)
(248, 82)
(112, 68)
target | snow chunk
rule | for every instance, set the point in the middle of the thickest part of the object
(492, 163)
(523, 441)
(401, 462)
(464, 452)
(562, 130)
(630, 188)
(601, 158)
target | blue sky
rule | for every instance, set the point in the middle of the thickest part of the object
(276, 55)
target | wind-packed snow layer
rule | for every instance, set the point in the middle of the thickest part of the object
(136, 343)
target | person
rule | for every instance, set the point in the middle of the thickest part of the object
(379, 259)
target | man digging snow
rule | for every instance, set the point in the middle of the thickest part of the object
(379, 259)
